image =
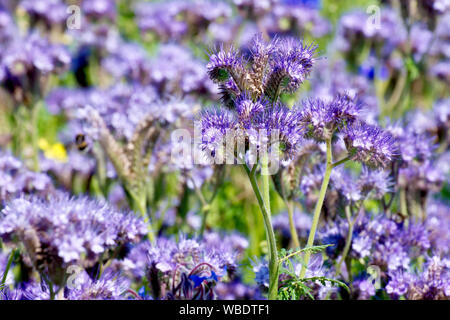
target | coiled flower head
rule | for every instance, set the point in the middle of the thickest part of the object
(321, 118)
(369, 144)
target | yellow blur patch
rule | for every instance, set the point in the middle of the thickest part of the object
(55, 151)
(284, 24)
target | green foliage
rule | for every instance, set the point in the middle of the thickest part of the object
(126, 21)
(333, 10)
(285, 255)
(296, 288)
(292, 287)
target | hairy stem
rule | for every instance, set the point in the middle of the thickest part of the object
(294, 235)
(266, 183)
(318, 208)
(273, 253)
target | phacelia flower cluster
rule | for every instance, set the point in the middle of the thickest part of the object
(250, 87)
(62, 230)
(16, 179)
(186, 269)
(26, 61)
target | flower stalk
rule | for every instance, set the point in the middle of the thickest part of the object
(318, 208)
(273, 253)
(139, 203)
(293, 230)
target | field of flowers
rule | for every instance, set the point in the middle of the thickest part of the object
(228, 149)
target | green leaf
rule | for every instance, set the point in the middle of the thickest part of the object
(286, 255)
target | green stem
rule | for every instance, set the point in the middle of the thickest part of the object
(8, 266)
(139, 203)
(318, 208)
(266, 183)
(347, 242)
(396, 94)
(294, 235)
(52, 292)
(49, 284)
(205, 211)
(403, 205)
(273, 253)
(205, 207)
(34, 135)
(101, 167)
(340, 161)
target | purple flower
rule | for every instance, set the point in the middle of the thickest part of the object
(302, 223)
(97, 9)
(369, 144)
(441, 5)
(178, 20)
(345, 183)
(283, 124)
(426, 176)
(302, 16)
(176, 71)
(273, 68)
(34, 291)
(128, 60)
(261, 270)
(237, 290)
(399, 283)
(321, 118)
(7, 29)
(291, 63)
(440, 71)
(254, 7)
(413, 147)
(35, 53)
(187, 268)
(375, 183)
(223, 64)
(49, 11)
(215, 123)
(365, 289)
(433, 8)
(434, 282)
(438, 224)
(16, 179)
(97, 36)
(110, 286)
(261, 49)
(64, 171)
(160, 18)
(72, 230)
(354, 27)
(247, 109)
(276, 127)
(26, 60)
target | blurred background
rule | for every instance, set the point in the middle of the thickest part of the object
(129, 58)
